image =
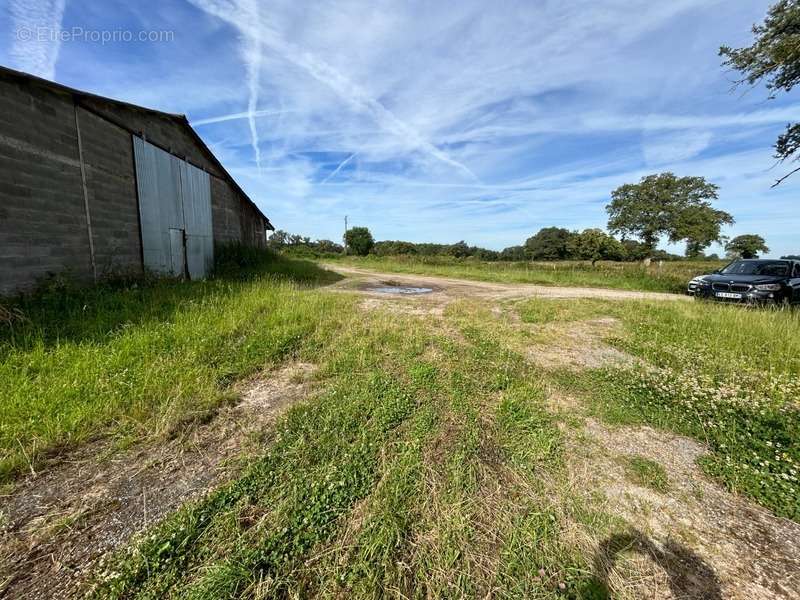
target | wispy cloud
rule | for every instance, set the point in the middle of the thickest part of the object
(674, 147)
(244, 16)
(249, 115)
(593, 121)
(36, 35)
(358, 97)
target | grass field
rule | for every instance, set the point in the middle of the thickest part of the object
(670, 276)
(433, 460)
(143, 357)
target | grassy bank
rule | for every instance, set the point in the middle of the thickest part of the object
(77, 362)
(668, 277)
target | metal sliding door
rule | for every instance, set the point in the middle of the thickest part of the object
(196, 200)
(175, 213)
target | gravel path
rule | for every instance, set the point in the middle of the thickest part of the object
(365, 279)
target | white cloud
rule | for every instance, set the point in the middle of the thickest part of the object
(36, 35)
(674, 147)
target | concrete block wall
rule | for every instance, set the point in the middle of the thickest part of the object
(225, 212)
(111, 183)
(253, 231)
(42, 217)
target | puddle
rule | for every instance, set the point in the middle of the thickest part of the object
(400, 289)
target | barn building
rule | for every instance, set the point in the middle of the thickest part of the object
(91, 186)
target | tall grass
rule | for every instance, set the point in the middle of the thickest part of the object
(669, 276)
(146, 355)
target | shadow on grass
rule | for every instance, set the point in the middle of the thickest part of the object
(688, 575)
(62, 310)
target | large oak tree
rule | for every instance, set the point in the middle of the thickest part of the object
(664, 204)
(746, 246)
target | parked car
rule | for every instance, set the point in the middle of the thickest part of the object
(751, 281)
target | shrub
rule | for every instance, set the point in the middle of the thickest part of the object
(359, 240)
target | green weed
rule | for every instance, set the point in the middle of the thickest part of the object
(727, 376)
(645, 472)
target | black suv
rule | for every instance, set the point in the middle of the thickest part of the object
(751, 280)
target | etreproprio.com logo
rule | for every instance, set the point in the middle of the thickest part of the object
(94, 36)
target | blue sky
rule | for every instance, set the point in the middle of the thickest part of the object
(439, 121)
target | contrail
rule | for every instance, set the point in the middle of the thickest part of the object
(354, 94)
(339, 168)
(238, 116)
(253, 80)
(244, 15)
(34, 20)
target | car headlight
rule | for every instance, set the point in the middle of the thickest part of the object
(768, 287)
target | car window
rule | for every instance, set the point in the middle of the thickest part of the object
(796, 270)
(757, 267)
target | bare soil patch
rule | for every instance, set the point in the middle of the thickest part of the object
(57, 524)
(696, 539)
(578, 345)
(404, 307)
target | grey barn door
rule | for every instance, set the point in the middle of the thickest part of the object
(175, 213)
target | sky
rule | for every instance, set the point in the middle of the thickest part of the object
(437, 121)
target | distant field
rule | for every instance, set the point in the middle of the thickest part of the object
(665, 277)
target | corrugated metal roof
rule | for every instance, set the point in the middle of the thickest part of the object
(178, 118)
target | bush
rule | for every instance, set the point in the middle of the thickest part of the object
(359, 240)
(394, 248)
(236, 259)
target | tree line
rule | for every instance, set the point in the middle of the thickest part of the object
(548, 244)
(661, 206)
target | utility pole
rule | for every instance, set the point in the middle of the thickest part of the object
(345, 235)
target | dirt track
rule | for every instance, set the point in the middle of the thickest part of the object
(61, 521)
(459, 288)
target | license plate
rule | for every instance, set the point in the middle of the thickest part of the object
(728, 295)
